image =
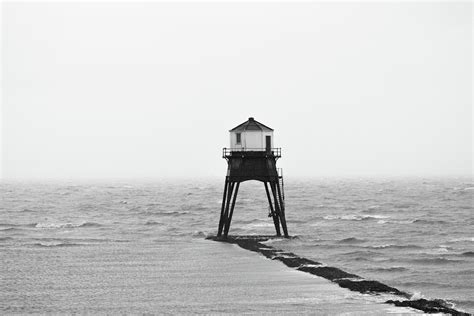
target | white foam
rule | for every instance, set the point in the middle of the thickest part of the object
(312, 265)
(56, 225)
(50, 244)
(46, 225)
(462, 239)
(416, 296)
(382, 246)
(373, 207)
(355, 217)
(273, 240)
(263, 224)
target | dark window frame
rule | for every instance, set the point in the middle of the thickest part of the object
(238, 138)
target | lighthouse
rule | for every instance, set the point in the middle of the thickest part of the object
(251, 156)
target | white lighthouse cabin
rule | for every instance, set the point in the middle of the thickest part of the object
(251, 136)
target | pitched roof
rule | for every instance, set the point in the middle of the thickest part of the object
(251, 125)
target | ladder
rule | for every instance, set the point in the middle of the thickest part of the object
(280, 180)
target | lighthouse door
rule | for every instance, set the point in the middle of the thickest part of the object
(268, 143)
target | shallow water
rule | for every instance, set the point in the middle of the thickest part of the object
(413, 234)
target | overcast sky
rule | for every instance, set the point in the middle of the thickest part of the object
(117, 90)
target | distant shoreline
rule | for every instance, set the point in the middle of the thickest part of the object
(343, 279)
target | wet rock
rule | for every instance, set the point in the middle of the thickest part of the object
(294, 262)
(366, 286)
(329, 273)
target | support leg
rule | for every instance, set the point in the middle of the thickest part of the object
(227, 206)
(224, 197)
(276, 221)
(229, 219)
(275, 199)
(282, 213)
(278, 208)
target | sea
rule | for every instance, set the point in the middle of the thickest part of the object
(415, 234)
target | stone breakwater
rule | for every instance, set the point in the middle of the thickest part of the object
(344, 279)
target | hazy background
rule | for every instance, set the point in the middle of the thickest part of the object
(119, 90)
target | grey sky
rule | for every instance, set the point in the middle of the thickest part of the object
(151, 89)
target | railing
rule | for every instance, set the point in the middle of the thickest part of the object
(280, 172)
(229, 152)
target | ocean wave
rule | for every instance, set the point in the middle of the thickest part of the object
(374, 207)
(200, 234)
(468, 272)
(17, 225)
(403, 205)
(417, 296)
(55, 244)
(360, 253)
(355, 217)
(351, 240)
(79, 241)
(421, 283)
(438, 260)
(259, 224)
(443, 248)
(393, 246)
(428, 221)
(389, 269)
(151, 222)
(153, 204)
(248, 221)
(462, 239)
(9, 229)
(173, 213)
(468, 254)
(5, 238)
(195, 234)
(465, 191)
(293, 240)
(364, 255)
(299, 221)
(66, 225)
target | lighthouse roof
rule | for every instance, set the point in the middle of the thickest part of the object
(251, 125)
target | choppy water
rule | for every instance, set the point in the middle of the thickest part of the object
(413, 234)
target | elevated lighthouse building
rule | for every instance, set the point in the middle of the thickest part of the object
(251, 135)
(251, 156)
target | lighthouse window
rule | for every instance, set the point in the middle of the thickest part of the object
(238, 138)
